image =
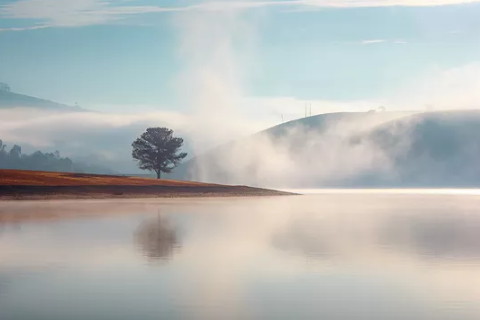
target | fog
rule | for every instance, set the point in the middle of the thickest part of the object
(214, 49)
(91, 137)
(300, 155)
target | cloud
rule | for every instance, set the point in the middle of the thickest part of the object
(378, 41)
(380, 3)
(81, 135)
(455, 88)
(23, 28)
(72, 13)
(103, 137)
(374, 41)
(77, 13)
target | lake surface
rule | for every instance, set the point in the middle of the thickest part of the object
(348, 255)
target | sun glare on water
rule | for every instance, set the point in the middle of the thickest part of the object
(438, 191)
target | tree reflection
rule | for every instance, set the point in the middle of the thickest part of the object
(157, 239)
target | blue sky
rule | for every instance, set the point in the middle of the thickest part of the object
(129, 54)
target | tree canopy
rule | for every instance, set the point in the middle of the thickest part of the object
(158, 150)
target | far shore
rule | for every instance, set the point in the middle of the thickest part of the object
(42, 185)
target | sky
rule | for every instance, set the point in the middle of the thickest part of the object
(265, 59)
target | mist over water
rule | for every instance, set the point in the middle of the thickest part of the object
(352, 255)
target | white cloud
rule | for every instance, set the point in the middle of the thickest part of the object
(76, 13)
(23, 28)
(72, 13)
(455, 88)
(380, 3)
(444, 89)
(373, 41)
(377, 41)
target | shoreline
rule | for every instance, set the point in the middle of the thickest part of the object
(122, 191)
(41, 185)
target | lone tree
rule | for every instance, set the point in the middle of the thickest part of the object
(158, 150)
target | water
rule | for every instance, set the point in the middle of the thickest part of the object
(350, 255)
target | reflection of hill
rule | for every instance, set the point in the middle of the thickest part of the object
(157, 238)
(441, 235)
(411, 227)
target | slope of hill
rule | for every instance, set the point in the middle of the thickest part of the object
(434, 149)
(10, 99)
(324, 122)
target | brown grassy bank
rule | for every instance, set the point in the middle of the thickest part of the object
(33, 185)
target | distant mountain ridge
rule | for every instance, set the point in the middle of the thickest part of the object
(9, 99)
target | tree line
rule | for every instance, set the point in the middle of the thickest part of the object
(48, 161)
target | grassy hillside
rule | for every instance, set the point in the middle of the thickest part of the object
(44, 178)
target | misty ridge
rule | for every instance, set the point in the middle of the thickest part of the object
(345, 149)
(383, 149)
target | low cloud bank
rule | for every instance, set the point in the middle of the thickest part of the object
(89, 137)
(439, 149)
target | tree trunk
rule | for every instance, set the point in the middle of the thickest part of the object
(159, 174)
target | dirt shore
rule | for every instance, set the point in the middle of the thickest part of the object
(40, 185)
